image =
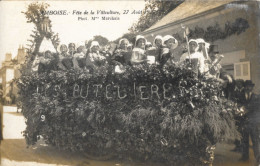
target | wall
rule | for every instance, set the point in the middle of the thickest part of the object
(247, 41)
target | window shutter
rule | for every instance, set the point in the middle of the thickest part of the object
(242, 70)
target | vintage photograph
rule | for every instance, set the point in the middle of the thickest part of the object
(130, 83)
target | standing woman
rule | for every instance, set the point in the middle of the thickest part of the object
(138, 53)
(63, 54)
(158, 44)
(72, 49)
(170, 43)
(79, 58)
(196, 57)
(67, 60)
(63, 51)
(120, 55)
(158, 41)
(204, 49)
(95, 59)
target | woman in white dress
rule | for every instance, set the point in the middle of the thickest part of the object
(138, 53)
(195, 56)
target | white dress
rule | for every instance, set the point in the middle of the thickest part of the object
(196, 55)
(138, 56)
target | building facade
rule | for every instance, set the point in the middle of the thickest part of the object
(233, 26)
(9, 71)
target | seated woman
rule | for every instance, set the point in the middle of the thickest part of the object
(138, 53)
(121, 55)
(196, 58)
(170, 43)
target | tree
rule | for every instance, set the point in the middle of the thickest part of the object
(36, 14)
(154, 10)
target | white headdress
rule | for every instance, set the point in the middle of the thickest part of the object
(123, 39)
(94, 43)
(167, 37)
(139, 37)
(200, 40)
(193, 40)
(158, 37)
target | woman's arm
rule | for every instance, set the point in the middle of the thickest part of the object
(75, 63)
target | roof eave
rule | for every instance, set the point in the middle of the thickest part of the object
(184, 20)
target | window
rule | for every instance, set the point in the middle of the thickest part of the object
(242, 70)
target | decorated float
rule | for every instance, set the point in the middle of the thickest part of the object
(145, 113)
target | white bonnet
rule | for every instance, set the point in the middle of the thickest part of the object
(139, 37)
(200, 40)
(158, 37)
(167, 37)
(94, 43)
(123, 39)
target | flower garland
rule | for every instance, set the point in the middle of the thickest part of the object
(215, 32)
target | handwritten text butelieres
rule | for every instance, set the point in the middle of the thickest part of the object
(110, 91)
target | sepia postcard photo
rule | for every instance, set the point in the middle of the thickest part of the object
(130, 83)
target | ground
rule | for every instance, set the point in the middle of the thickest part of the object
(14, 151)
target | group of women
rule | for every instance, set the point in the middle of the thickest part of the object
(160, 53)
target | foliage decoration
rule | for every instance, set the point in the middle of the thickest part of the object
(146, 112)
(35, 14)
(215, 32)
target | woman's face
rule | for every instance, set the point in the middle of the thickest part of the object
(72, 48)
(63, 48)
(170, 43)
(123, 45)
(201, 46)
(48, 55)
(80, 49)
(141, 43)
(95, 48)
(193, 46)
(129, 48)
(158, 43)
